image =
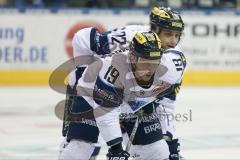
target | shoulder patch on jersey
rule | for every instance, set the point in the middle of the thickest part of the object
(99, 42)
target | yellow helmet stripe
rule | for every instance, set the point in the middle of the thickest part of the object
(155, 11)
(164, 14)
(140, 38)
(159, 12)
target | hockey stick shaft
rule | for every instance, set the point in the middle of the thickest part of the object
(139, 116)
(134, 130)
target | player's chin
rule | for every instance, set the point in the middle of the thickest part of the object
(146, 77)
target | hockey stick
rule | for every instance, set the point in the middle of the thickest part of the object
(139, 116)
(134, 130)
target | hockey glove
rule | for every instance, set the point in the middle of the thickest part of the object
(174, 148)
(173, 145)
(116, 152)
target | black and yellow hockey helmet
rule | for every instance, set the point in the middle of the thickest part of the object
(146, 45)
(165, 18)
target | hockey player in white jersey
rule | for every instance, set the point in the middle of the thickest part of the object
(135, 77)
(161, 23)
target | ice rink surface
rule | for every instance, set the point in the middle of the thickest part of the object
(29, 129)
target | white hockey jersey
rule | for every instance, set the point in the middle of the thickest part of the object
(89, 42)
(109, 82)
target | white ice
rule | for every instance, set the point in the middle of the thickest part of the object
(30, 130)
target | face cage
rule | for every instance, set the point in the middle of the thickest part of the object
(149, 61)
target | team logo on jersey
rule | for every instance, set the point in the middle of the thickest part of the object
(136, 105)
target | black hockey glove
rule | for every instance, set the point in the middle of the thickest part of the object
(173, 145)
(174, 148)
(116, 152)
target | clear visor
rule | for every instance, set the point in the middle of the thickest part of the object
(150, 61)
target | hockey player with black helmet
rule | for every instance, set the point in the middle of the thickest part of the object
(169, 33)
(169, 26)
(139, 75)
(132, 78)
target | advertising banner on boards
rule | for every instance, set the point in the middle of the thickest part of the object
(34, 44)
